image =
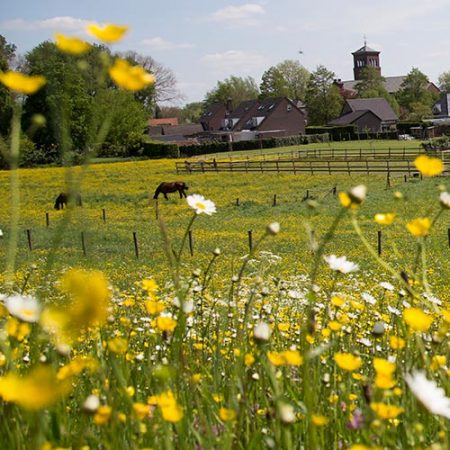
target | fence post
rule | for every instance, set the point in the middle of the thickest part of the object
(379, 242)
(136, 248)
(83, 243)
(104, 215)
(250, 240)
(237, 201)
(47, 219)
(274, 200)
(30, 246)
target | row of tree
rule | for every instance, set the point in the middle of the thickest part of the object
(80, 110)
(321, 95)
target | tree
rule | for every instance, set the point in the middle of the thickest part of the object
(65, 100)
(191, 112)
(7, 53)
(164, 89)
(127, 125)
(414, 92)
(444, 81)
(235, 88)
(287, 79)
(372, 86)
(323, 100)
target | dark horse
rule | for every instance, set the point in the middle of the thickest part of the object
(64, 198)
(165, 188)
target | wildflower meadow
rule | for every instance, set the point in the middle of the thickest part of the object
(226, 319)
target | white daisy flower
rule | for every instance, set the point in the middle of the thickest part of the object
(200, 205)
(262, 331)
(359, 192)
(429, 394)
(341, 264)
(445, 200)
(24, 307)
(1, 233)
(368, 298)
(386, 285)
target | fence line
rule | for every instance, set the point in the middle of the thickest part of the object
(311, 166)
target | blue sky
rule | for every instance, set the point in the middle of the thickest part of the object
(204, 41)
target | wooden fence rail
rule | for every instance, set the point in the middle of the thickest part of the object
(310, 166)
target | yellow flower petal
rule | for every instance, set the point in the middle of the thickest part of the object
(429, 167)
(130, 78)
(419, 227)
(384, 219)
(109, 33)
(72, 45)
(19, 82)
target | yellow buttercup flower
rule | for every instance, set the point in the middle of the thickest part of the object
(384, 219)
(170, 410)
(24, 84)
(397, 343)
(118, 345)
(165, 323)
(417, 319)
(227, 415)
(318, 420)
(72, 45)
(128, 77)
(419, 227)
(102, 415)
(428, 166)
(109, 33)
(347, 361)
(37, 390)
(386, 411)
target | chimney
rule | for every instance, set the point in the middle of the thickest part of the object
(228, 106)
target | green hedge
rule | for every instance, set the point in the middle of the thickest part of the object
(160, 150)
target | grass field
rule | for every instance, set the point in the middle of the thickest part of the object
(267, 349)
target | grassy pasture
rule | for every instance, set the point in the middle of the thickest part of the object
(256, 357)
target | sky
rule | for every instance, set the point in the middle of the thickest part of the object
(204, 41)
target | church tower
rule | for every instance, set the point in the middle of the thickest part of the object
(365, 57)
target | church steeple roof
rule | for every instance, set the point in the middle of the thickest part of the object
(365, 49)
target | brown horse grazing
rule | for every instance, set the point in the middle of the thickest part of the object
(166, 188)
(64, 198)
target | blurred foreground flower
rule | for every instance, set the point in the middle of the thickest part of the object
(24, 307)
(262, 331)
(384, 219)
(419, 227)
(417, 319)
(444, 198)
(171, 411)
(200, 205)
(72, 45)
(386, 411)
(429, 167)
(24, 84)
(353, 198)
(109, 33)
(341, 264)
(89, 301)
(128, 77)
(429, 394)
(347, 361)
(37, 390)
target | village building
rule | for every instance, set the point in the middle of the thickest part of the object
(368, 57)
(368, 114)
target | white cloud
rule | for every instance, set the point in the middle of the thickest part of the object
(62, 23)
(159, 43)
(235, 60)
(239, 16)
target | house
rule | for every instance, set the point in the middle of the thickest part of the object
(213, 118)
(180, 134)
(373, 114)
(368, 57)
(168, 121)
(442, 107)
(277, 116)
(253, 119)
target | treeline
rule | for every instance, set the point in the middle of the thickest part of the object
(79, 112)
